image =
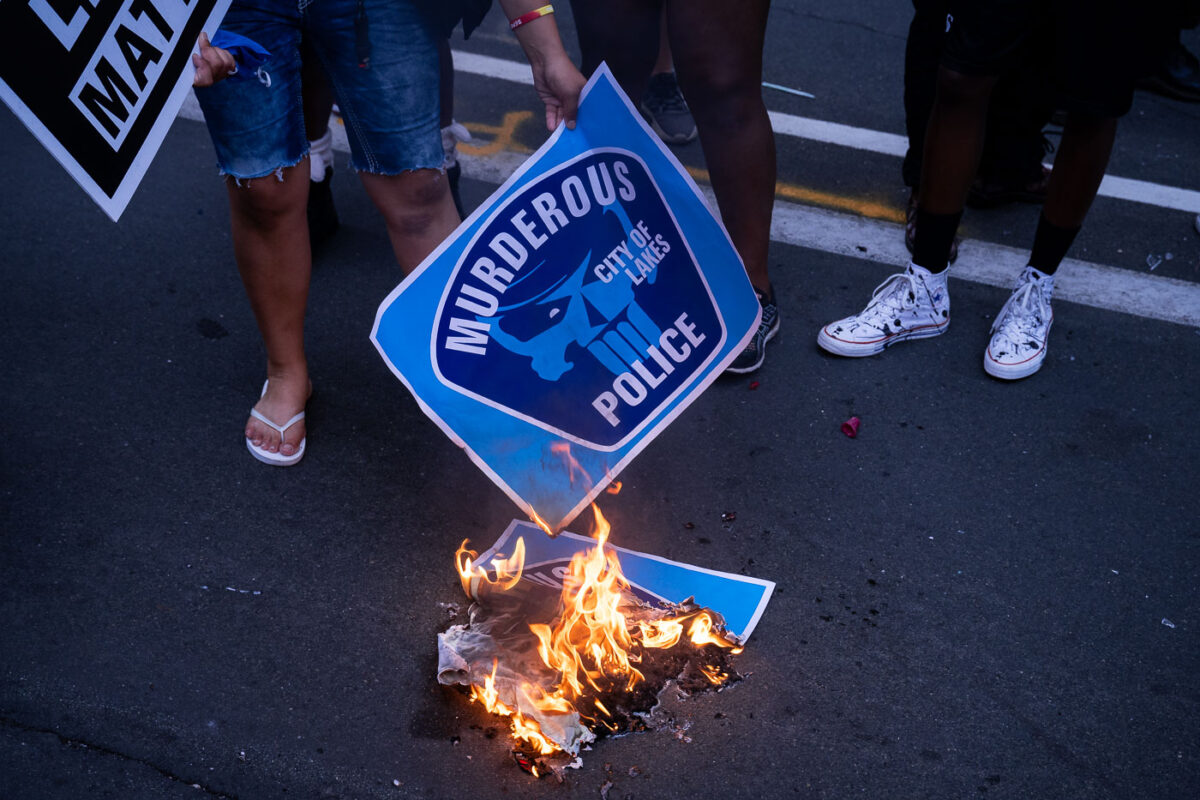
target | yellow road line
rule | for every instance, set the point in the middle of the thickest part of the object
(504, 134)
(812, 197)
(503, 137)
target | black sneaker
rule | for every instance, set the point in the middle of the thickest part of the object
(751, 358)
(322, 216)
(667, 112)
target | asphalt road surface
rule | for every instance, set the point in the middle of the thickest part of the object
(991, 592)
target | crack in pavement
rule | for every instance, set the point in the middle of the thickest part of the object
(847, 22)
(68, 741)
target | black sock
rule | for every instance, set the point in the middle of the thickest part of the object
(1050, 245)
(935, 234)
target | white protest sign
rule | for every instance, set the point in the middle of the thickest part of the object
(98, 82)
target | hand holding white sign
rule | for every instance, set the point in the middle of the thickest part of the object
(111, 76)
(212, 63)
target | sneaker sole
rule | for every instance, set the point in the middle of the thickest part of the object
(761, 355)
(1013, 372)
(669, 138)
(839, 347)
(679, 138)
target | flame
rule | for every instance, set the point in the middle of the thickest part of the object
(614, 487)
(662, 633)
(701, 633)
(541, 523)
(488, 696)
(523, 728)
(474, 578)
(593, 647)
(591, 640)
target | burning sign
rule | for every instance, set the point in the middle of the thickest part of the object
(568, 664)
(739, 599)
(587, 303)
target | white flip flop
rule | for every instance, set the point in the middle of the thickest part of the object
(266, 456)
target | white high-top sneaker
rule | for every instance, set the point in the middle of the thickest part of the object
(320, 156)
(452, 134)
(1018, 345)
(909, 305)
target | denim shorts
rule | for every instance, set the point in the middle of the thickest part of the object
(389, 103)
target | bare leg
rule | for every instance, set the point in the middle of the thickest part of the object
(1078, 168)
(953, 147)
(717, 48)
(664, 62)
(624, 33)
(417, 209)
(953, 141)
(270, 241)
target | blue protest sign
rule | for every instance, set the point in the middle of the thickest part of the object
(741, 600)
(585, 304)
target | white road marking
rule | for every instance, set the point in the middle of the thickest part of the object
(816, 130)
(889, 144)
(1097, 285)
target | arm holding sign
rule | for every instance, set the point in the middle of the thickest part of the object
(212, 63)
(557, 81)
(396, 149)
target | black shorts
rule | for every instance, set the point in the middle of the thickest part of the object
(1093, 50)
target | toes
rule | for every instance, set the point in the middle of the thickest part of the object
(276, 404)
(291, 441)
(262, 437)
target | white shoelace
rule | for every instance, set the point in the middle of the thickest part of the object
(884, 303)
(1019, 317)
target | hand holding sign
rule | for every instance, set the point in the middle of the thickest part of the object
(212, 63)
(555, 78)
(586, 304)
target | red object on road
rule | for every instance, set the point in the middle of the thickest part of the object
(850, 427)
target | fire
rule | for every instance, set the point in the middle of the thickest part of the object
(593, 646)
(524, 730)
(701, 633)
(541, 523)
(591, 640)
(474, 578)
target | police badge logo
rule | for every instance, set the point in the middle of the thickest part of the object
(580, 285)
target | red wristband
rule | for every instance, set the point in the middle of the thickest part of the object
(513, 24)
